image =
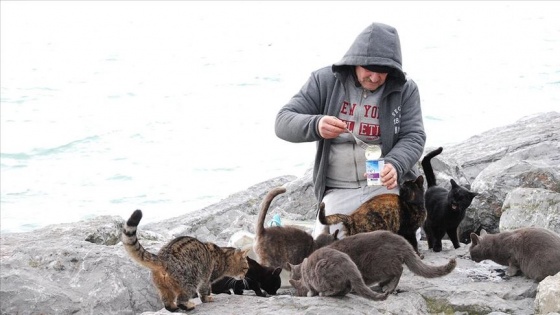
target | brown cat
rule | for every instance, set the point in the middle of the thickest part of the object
(534, 251)
(403, 214)
(329, 272)
(380, 255)
(275, 246)
(185, 266)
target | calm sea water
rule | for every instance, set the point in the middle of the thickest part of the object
(107, 107)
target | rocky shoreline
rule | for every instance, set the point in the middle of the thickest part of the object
(82, 268)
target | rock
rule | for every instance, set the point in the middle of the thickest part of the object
(531, 207)
(547, 300)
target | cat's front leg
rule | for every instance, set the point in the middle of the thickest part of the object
(204, 293)
(512, 270)
(312, 292)
(452, 233)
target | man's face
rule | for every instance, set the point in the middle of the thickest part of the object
(370, 80)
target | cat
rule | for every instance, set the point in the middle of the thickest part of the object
(403, 213)
(185, 266)
(258, 278)
(277, 245)
(533, 251)
(446, 208)
(380, 255)
(329, 272)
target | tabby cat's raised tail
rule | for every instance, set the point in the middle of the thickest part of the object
(427, 166)
(259, 228)
(133, 247)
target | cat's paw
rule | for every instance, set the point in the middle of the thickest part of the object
(188, 307)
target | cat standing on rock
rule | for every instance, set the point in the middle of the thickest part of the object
(380, 256)
(446, 208)
(185, 266)
(329, 272)
(534, 251)
(403, 213)
(275, 246)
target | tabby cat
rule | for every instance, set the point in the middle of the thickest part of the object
(446, 208)
(380, 256)
(258, 278)
(402, 214)
(329, 272)
(185, 266)
(534, 251)
(277, 245)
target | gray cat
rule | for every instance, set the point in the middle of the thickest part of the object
(328, 272)
(534, 251)
(275, 246)
(380, 256)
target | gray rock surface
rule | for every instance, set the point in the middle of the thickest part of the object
(82, 268)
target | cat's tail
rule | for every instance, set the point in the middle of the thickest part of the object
(417, 266)
(331, 219)
(259, 227)
(361, 289)
(427, 166)
(133, 246)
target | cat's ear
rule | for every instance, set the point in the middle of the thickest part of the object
(483, 232)
(246, 252)
(474, 194)
(277, 271)
(453, 183)
(288, 266)
(420, 181)
(335, 234)
(474, 239)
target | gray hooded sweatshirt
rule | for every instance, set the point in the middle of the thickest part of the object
(400, 119)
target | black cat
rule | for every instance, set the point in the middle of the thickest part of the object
(258, 278)
(446, 208)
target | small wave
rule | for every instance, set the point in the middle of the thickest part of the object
(48, 151)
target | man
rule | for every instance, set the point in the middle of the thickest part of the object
(368, 93)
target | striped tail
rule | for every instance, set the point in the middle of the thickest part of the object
(333, 218)
(133, 246)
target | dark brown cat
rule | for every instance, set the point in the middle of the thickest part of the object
(275, 246)
(329, 272)
(380, 255)
(185, 266)
(534, 251)
(402, 214)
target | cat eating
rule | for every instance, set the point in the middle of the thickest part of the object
(446, 208)
(533, 251)
(329, 272)
(380, 256)
(185, 266)
(277, 245)
(403, 213)
(258, 278)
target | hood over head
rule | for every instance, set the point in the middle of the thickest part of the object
(377, 45)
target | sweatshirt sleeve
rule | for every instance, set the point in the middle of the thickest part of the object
(411, 140)
(298, 120)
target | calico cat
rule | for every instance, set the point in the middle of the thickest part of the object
(402, 214)
(380, 256)
(534, 251)
(258, 278)
(446, 208)
(329, 272)
(185, 266)
(275, 246)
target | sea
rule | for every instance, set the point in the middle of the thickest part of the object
(169, 106)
